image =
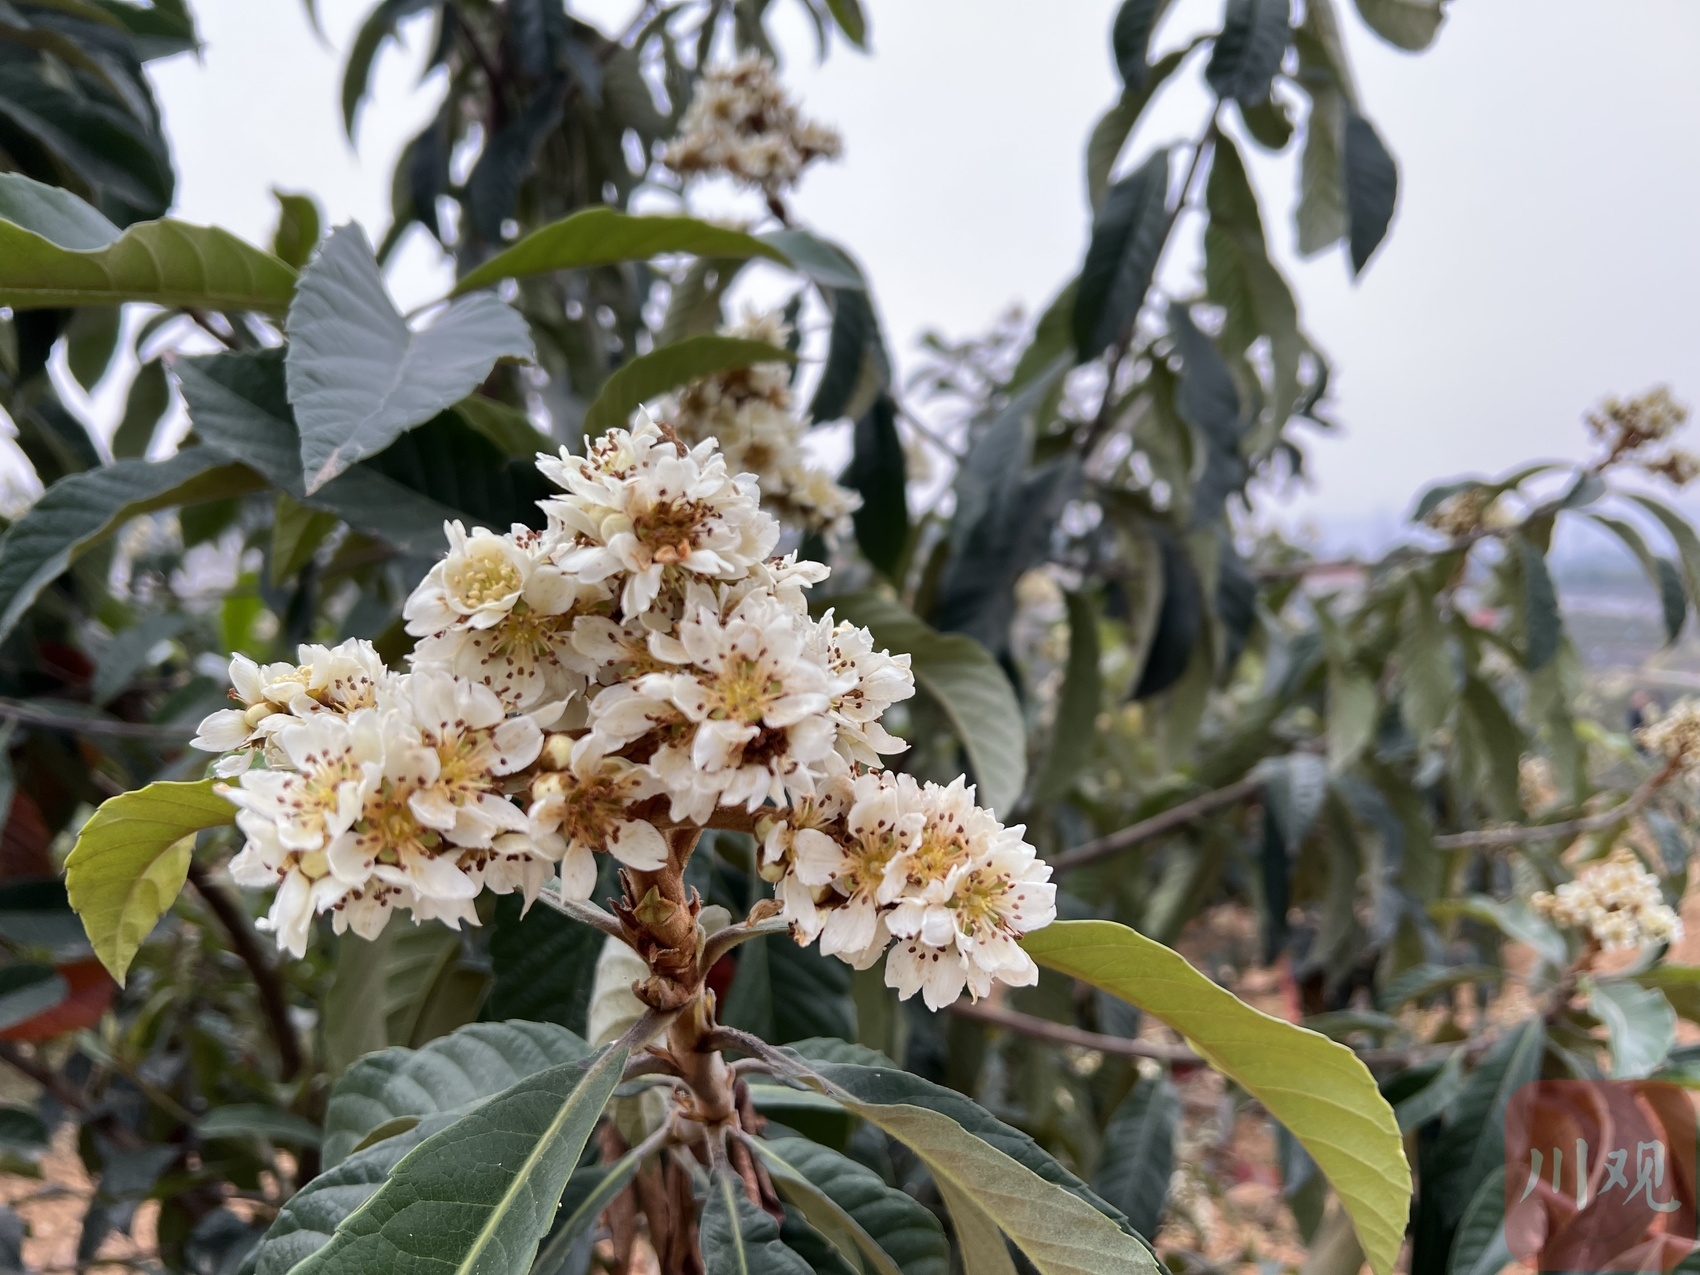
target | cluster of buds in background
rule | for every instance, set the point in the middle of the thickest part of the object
(641, 668)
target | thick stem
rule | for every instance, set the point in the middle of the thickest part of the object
(660, 919)
(273, 1002)
(703, 1067)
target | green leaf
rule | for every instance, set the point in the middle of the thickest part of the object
(507, 427)
(538, 961)
(602, 236)
(1352, 710)
(1318, 1089)
(879, 472)
(1074, 740)
(1661, 572)
(380, 26)
(1372, 188)
(91, 339)
(525, 1143)
(1406, 24)
(1479, 1247)
(1321, 211)
(441, 470)
(1127, 238)
(783, 992)
(57, 251)
(737, 1238)
(978, 1239)
(1428, 683)
(1686, 540)
(1130, 37)
(256, 1120)
(1109, 135)
(128, 652)
(299, 226)
(358, 376)
(1514, 919)
(965, 681)
(448, 1076)
(27, 989)
(897, 1234)
(1542, 628)
(382, 988)
(1640, 1026)
(1051, 343)
(851, 20)
(589, 1191)
(1051, 1216)
(297, 532)
(1472, 1143)
(310, 1217)
(1139, 1153)
(144, 406)
(131, 860)
(1255, 34)
(822, 260)
(1491, 737)
(669, 367)
(857, 369)
(82, 509)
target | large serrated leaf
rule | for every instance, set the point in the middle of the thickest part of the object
(897, 1234)
(1317, 1088)
(359, 377)
(1048, 1213)
(967, 683)
(1472, 1144)
(131, 859)
(525, 1143)
(669, 367)
(79, 510)
(450, 1074)
(1139, 1153)
(1255, 34)
(57, 251)
(737, 1238)
(1372, 188)
(602, 236)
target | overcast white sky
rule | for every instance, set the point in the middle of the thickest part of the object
(1544, 252)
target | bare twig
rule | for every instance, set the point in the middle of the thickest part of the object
(1061, 1034)
(1157, 825)
(267, 983)
(1599, 822)
(33, 714)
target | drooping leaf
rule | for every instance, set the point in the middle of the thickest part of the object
(1472, 1143)
(1640, 1026)
(1338, 1115)
(1130, 38)
(297, 532)
(447, 1076)
(737, 1238)
(1050, 1215)
(1139, 1153)
(1127, 237)
(1542, 626)
(378, 28)
(1406, 24)
(1321, 211)
(526, 1141)
(358, 376)
(382, 989)
(1109, 135)
(1428, 685)
(78, 511)
(857, 370)
(1686, 539)
(1372, 188)
(509, 157)
(510, 429)
(1179, 621)
(1255, 35)
(131, 859)
(879, 472)
(1661, 573)
(1074, 737)
(144, 406)
(965, 681)
(897, 1235)
(128, 653)
(783, 992)
(851, 20)
(55, 250)
(820, 259)
(669, 367)
(538, 962)
(601, 236)
(91, 339)
(257, 1120)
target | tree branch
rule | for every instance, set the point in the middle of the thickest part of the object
(33, 714)
(1524, 834)
(1158, 824)
(1061, 1034)
(266, 980)
(584, 913)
